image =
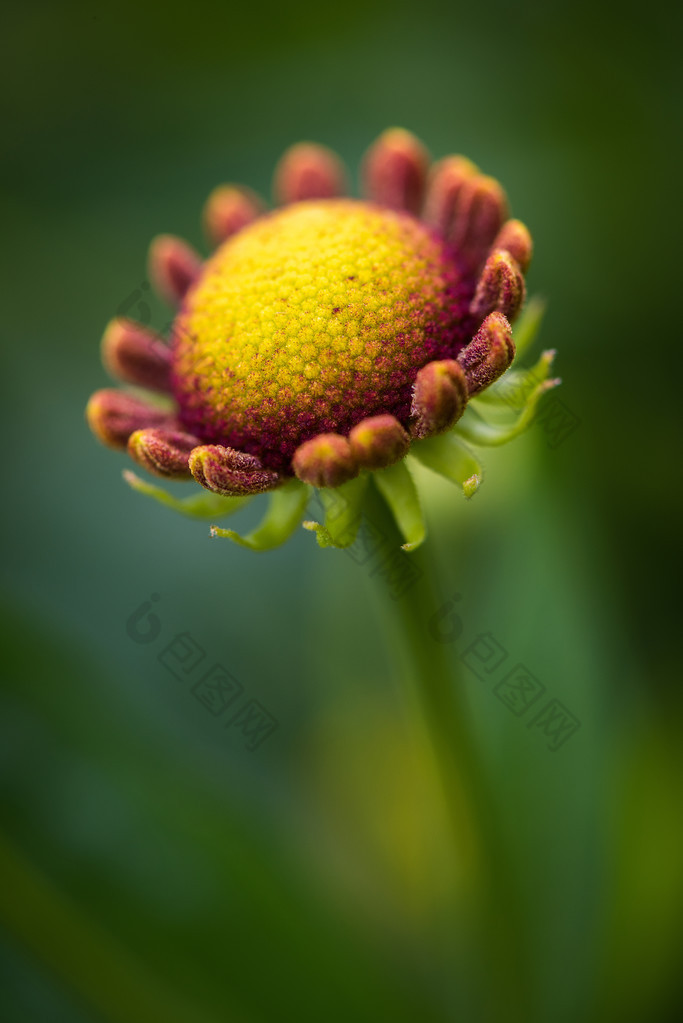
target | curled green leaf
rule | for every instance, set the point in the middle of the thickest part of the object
(477, 431)
(398, 488)
(513, 390)
(529, 323)
(450, 458)
(201, 505)
(343, 510)
(285, 507)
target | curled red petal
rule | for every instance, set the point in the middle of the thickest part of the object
(228, 209)
(439, 398)
(515, 239)
(481, 210)
(231, 473)
(378, 442)
(325, 461)
(500, 288)
(395, 171)
(173, 266)
(114, 415)
(488, 354)
(136, 354)
(444, 192)
(309, 171)
(162, 452)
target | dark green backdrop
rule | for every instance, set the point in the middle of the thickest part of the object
(152, 867)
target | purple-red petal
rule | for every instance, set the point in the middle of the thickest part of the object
(488, 354)
(228, 209)
(440, 395)
(163, 452)
(173, 267)
(444, 192)
(395, 171)
(325, 461)
(136, 354)
(514, 238)
(309, 171)
(482, 210)
(231, 473)
(378, 442)
(500, 288)
(114, 415)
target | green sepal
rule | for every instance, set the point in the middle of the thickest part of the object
(200, 505)
(397, 486)
(528, 325)
(449, 457)
(343, 508)
(286, 505)
(514, 388)
(527, 395)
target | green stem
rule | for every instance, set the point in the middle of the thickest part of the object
(478, 846)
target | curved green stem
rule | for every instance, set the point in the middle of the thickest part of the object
(477, 842)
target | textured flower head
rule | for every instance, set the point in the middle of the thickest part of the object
(326, 339)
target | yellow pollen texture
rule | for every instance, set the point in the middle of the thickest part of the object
(307, 321)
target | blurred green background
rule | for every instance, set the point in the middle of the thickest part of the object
(152, 867)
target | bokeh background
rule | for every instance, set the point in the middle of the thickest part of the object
(151, 866)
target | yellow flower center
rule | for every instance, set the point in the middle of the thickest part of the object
(310, 319)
